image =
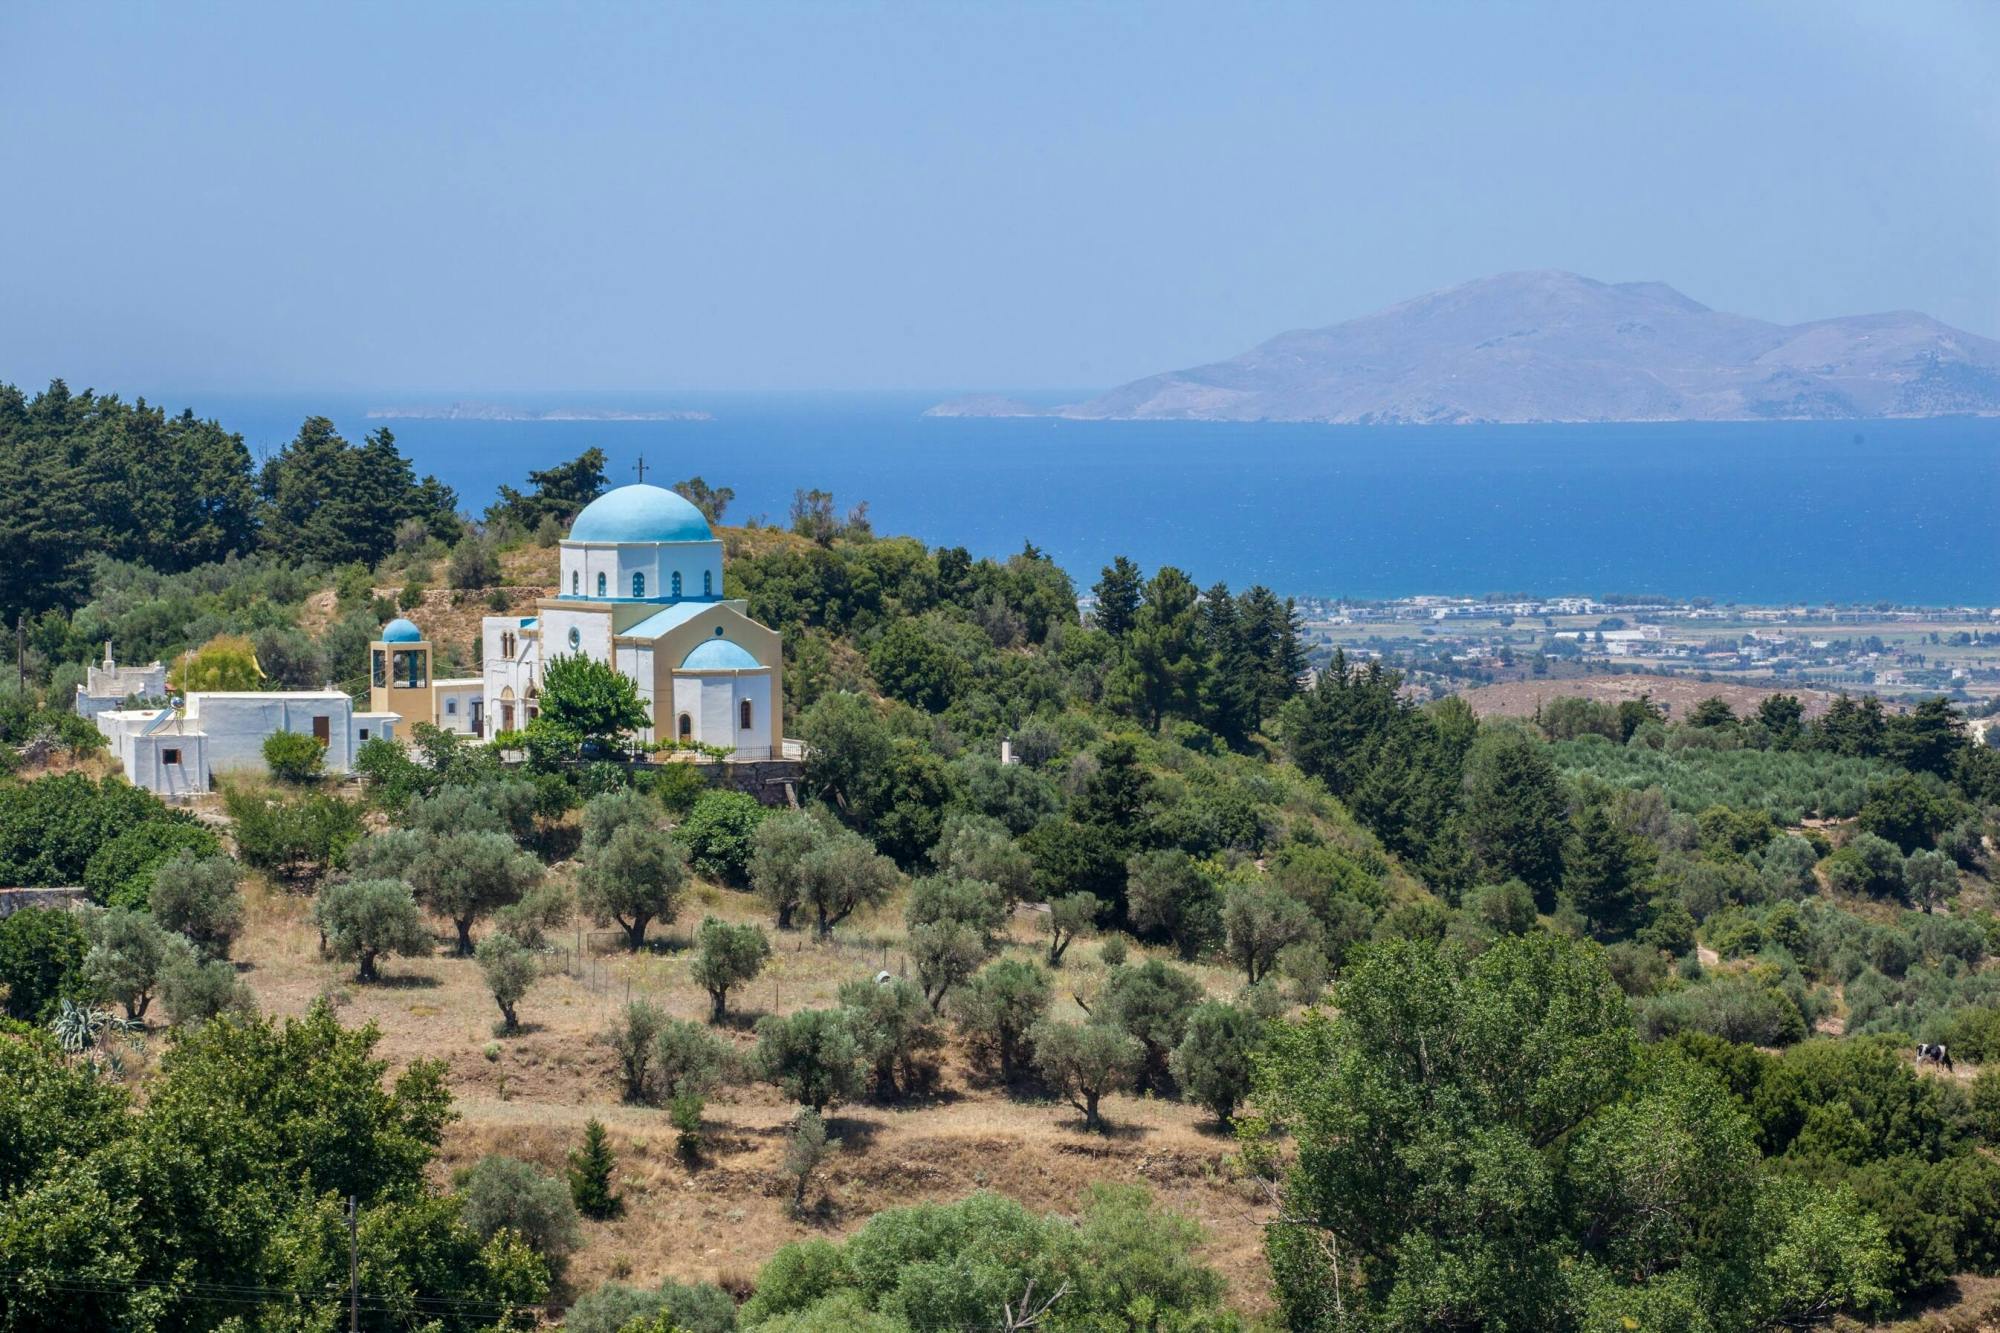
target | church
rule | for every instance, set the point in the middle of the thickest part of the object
(641, 590)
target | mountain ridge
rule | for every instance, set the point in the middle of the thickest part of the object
(1552, 346)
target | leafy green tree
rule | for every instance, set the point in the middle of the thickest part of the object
(41, 960)
(1259, 922)
(590, 1167)
(120, 872)
(195, 992)
(1930, 879)
(299, 839)
(811, 1056)
(1161, 673)
(689, 1060)
(329, 502)
(294, 757)
(998, 1010)
(780, 851)
(128, 954)
(1150, 1003)
(1212, 1063)
(1516, 817)
(1117, 594)
(1067, 917)
(978, 847)
(584, 702)
(945, 953)
(719, 834)
(197, 897)
(842, 874)
(466, 877)
(634, 878)
(499, 1193)
(1605, 870)
(913, 666)
(52, 827)
(1169, 896)
(1714, 711)
(726, 957)
(1782, 717)
(712, 501)
(559, 494)
(474, 563)
(806, 1150)
(1904, 811)
(363, 920)
(1085, 1061)
(631, 1038)
(509, 970)
(896, 1031)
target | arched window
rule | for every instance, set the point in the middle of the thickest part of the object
(600, 585)
(746, 715)
(687, 727)
(575, 582)
(708, 583)
(638, 585)
(677, 583)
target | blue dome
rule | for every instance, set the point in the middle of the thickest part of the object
(640, 514)
(400, 630)
(718, 654)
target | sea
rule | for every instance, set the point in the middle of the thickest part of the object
(1848, 512)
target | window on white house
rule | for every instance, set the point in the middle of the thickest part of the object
(172, 757)
(600, 585)
(746, 715)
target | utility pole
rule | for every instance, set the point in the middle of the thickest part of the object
(353, 1268)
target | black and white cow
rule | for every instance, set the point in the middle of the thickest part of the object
(1933, 1053)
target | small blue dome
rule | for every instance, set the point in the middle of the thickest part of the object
(640, 514)
(718, 654)
(400, 630)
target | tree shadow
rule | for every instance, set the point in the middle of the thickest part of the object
(401, 981)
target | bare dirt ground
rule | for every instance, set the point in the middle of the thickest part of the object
(720, 1220)
(1679, 696)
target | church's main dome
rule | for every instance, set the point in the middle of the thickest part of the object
(640, 513)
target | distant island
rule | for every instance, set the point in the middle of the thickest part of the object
(495, 412)
(1551, 346)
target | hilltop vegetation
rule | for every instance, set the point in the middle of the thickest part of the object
(1407, 1019)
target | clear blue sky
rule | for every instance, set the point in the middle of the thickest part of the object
(503, 197)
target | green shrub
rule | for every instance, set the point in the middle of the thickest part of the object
(294, 757)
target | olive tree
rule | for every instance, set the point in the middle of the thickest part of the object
(633, 878)
(1068, 917)
(999, 1009)
(364, 919)
(811, 1056)
(466, 876)
(197, 897)
(509, 970)
(1258, 922)
(726, 957)
(1084, 1061)
(1212, 1064)
(128, 954)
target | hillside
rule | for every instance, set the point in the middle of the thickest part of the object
(1554, 346)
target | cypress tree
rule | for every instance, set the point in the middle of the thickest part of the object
(590, 1173)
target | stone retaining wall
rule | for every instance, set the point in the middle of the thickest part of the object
(13, 900)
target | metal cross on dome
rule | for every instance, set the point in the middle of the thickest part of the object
(641, 466)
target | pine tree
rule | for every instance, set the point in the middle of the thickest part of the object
(1117, 597)
(590, 1169)
(1603, 870)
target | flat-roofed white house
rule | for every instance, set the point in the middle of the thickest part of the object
(641, 590)
(180, 751)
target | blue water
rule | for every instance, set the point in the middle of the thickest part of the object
(1901, 511)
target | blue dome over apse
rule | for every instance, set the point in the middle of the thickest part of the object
(400, 630)
(718, 654)
(640, 514)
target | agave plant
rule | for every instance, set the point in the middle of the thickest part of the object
(93, 1035)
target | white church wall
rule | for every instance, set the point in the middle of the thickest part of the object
(755, 689)
(593, 630)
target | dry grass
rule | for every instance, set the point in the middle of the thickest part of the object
(723, 1218)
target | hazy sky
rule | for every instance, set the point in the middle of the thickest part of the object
(489, 197)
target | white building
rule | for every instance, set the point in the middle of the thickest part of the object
(641, 590)
(179, 752)
(110, 685)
